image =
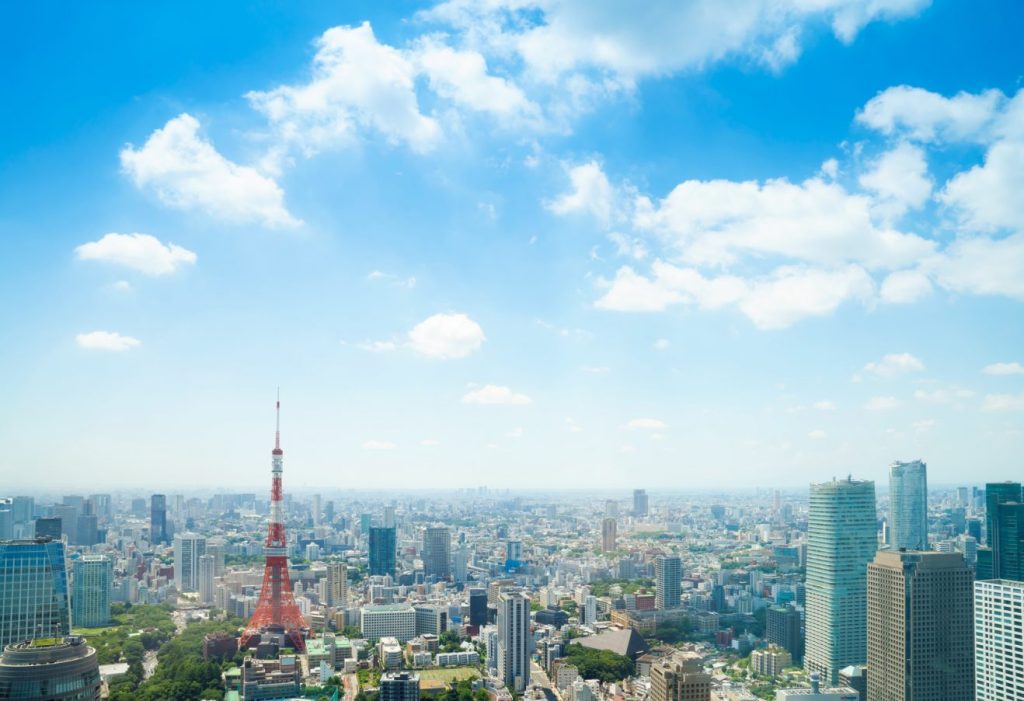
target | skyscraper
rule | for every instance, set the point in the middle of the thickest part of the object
(382, 551)
(908, 505)
(337, 583)
(920, 627)
(49, 527)
(158, 519)
(998, 621)
(59, 669)
(608, 528)
(997, 493)
(841, 541)
(640, 503)
(34, 599)
(668, 577)
(188, 548)
(477, 607)
(514, 639)
(782, 627)
(92, 576)
(205, 572)
(389, 517)
(437, 552)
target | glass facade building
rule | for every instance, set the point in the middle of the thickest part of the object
(34, 600)
(382, 551)
(908, 505)
(91, 581)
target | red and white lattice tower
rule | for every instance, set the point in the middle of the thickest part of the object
(276, 611)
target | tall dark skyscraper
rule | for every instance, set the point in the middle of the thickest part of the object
(437, 552)
(48, 527)
(640, 503)
(477, 607)
(158, 519)
(997, 493)
(782, 627)
(382, 551)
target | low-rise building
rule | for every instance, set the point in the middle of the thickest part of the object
(771, 661)
(262, 680)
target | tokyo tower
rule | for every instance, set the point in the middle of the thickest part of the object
(276, 611)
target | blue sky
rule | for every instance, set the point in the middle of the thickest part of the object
(523, 243)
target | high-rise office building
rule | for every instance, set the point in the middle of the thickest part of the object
(680, 677)
(908, 505)
(158, 519)
(389, 517)
(782, 627)
(49, 527)
(668, 578)
(841, 541)
(23, 509)
(205, 573)
(998, 657)
(514, 640)
(920, 627)
(92, 577)
(59, 669)
(86, 530)
(437, 552)
(6, 520)
(337, 584)
(477, 607)
(34, 601)
(188, 548)
(314, 510)
(382, 551)
(608, 535)
(640, 503)
(1004, 558)
(399, 686)
(611, 508)
(998, 493)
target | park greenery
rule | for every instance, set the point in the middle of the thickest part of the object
(135, 629)
(182, 673)
(599, 664)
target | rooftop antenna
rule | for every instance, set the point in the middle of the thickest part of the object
(277, 431)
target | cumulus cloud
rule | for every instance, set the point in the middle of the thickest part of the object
(981, 266)
(1003, 402)
(591, 193)
(446, 336)
(1004, 369)
(894, 364)
(927, 116)
(495, 394)
(358, 84)
(185, 171)
(645, 424)
(141, 252)
(106, 341)
(905, 287)
(987, 198)
(900, 181)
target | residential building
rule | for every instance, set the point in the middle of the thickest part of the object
(920, 627)
(34, 601)
(514, 640)
(92, 577)
(608, 528)
(399, 686)
(841, 541)
(908, 505)
(337, 584)
(668, 577)
(437, 552)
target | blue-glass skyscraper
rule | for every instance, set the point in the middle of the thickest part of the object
(382, 551)
(908, 505)
(34, 599)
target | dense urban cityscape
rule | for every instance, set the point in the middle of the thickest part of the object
(512, 350)
(833, 595)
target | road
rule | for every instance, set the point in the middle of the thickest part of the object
(149, 663)
(351, 683)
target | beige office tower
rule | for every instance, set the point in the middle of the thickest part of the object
(680, 678)
(608, 534)
(920, 627)
(337, 584)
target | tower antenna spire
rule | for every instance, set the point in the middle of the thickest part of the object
(277, 428)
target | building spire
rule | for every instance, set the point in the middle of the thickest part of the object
(277, 429)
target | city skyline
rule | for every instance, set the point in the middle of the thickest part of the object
(706, 249)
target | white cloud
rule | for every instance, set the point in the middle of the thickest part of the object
(943, 395)
(140, 252)
(1003, 402)
(895, 364)
(825, 405)
(899, 178)
(186, 172)
(882, 403)
(817, 434)
(357, 84)
(627, 246)
(647, 424)
(378, 346)
(905, 287)
(446, 336)
(495, 394)
(591, 194)
(927, 116)
(1004, 369)
(662, 344)
(380, 276)
(106, 341)
(716, 222)
(981, 266)
(379, 445)
(987, 197)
